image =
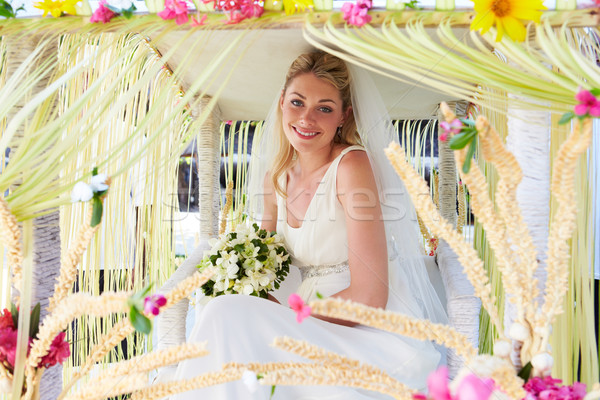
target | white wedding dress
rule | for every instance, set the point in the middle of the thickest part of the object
(241, 328)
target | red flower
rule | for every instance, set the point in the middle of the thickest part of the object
(6, 320)
(198, 21)
(153, 303)
(59, 352)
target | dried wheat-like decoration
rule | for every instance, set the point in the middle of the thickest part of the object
(187, 286)
(156, 359)
(472, 265)
(504, 376)
(462, 209)
(495, 229)
(395, 323)
(155, 392)
(339, 375)
(110, 387)
(227, 207)
(106, 343)
(69, 262)
(424, 230)
(510, 174)
(561, 229)
(323, 357)
(11, 237)
(70, 308)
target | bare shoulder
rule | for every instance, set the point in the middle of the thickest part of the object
(355, 170)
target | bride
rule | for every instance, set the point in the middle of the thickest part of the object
(328, 190)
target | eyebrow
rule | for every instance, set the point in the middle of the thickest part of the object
(320, 101)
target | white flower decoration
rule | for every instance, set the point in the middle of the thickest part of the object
(250, 380)
(98, 183)
(542, 362)
(518, 332)
(502, 348)
(5, 385)
(81, 192)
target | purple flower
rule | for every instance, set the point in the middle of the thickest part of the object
(153, 303)
(547, 389)
(588, 104)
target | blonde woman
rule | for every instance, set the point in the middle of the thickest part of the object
(319, 178)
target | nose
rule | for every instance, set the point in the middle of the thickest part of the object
(307, 116)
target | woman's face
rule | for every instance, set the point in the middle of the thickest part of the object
(311, 110)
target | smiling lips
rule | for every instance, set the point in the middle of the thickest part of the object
(305, 134)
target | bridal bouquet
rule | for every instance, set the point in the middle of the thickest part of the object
(248, 261)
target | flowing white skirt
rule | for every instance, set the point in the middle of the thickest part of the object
(241, 329)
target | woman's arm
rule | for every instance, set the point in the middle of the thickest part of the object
(367, 245)
(269, 218)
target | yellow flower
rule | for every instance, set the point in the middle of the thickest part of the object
(508, 16)
(291, 6)
(57, 7)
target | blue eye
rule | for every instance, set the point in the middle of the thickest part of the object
(326, 109)
(296, 103)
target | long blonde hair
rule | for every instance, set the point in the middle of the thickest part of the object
(333, 70)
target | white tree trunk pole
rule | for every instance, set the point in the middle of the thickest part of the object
(462, 305)
(46, 257)
(171, 324)
(529, 140)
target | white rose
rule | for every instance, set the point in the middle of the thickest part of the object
(250, 380)
(81, 192)
(98, 183)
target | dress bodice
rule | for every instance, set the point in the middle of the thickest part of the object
(319, 247)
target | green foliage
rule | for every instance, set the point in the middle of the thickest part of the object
(140, 322)
(7, 11)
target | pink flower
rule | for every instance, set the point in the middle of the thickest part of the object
(251, 9)
(8, 345)
(175, 9)
(357, 14)
(102, 14)
(153, 303)
(437, 384)
(197, 22)
(588, 104)
(472, 387)
(547, 389)
(297, 304)
(59, 352)
(453, 128)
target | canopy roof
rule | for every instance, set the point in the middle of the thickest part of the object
(266, 55)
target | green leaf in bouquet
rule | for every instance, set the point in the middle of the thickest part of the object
(262, 258)
(239, 248)
(140, 322)
(232, 236)
(467, 122)
(214, 258)
(272, 392)
(257, 242)
(595, 92)
(525, 372)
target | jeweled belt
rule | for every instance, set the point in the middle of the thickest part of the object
(310, 271)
